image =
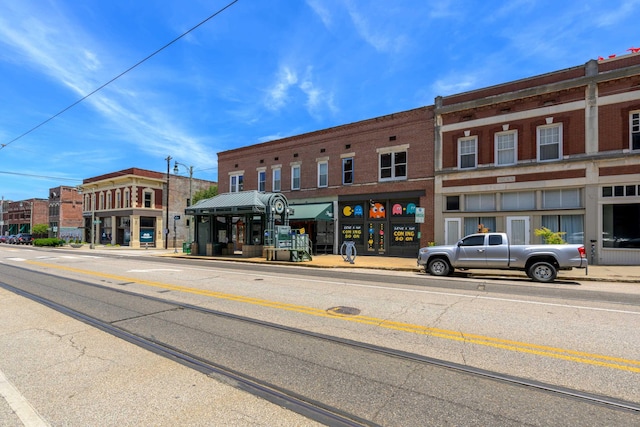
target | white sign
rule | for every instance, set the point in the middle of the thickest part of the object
(420, 215)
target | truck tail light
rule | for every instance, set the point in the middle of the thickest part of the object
(582, 251)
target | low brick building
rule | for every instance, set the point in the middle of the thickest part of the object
(129, 207)
(65, 213)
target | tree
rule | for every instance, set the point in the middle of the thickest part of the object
(40, 230)
(550, 237)
(205, 194)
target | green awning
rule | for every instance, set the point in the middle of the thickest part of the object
(315, 211)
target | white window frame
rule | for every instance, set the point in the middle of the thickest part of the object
(467, 139)
(323, 176)
(276, 181)
(236, 182)
(634, 130)
(127, 198)
(565, 198)
(498, 149)
(262, 179)
(295, 175)
(539, 142)
(151, 194)
(118, 199)
(392, 152)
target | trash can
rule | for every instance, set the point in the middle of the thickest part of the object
(186, 248)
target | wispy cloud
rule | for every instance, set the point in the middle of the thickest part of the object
(320, 9)
(288, 86)
(71, 58)
(383, 38)
(612, 14)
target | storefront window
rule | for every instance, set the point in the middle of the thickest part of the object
(621, 226)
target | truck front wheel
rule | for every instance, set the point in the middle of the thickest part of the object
(439, 267)
(542, 271)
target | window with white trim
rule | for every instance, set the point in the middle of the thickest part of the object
(323, 173)
(480, 202)
(101, 201)
(506, 144)
(262, 180)
(127, 198)
(634, 125)
(276, 181)
(148, 198)
(295, 177)
(393, 165)
(549, 142)
(118, 199)
(347, 170)
(518, 201)
(236, 183)
(468, 152)
(568, 198)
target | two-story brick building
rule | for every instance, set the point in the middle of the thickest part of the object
(133, 207)
(559, 150)
(65, 213)
(21, 215)
(362, 181)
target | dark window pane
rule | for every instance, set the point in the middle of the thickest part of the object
(453, 203)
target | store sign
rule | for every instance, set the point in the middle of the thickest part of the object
(420, 215)
(146, 235)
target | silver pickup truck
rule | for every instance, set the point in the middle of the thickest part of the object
(493, 251)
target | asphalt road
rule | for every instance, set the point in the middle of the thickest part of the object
(576, 336)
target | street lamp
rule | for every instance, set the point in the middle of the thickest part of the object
(190, 168)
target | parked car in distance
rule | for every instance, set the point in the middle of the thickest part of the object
(493, 251)
(4, 239)
(10, 238)
(23, 239)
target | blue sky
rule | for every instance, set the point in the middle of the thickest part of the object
(259, 70)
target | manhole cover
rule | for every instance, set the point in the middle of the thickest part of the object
(351, 311)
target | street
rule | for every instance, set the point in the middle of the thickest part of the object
(578, 336)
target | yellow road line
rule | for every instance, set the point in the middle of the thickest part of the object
(516, 346)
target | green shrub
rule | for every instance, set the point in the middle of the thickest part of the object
(49, 241)
(550, 237)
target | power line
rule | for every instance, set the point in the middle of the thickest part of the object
(41, 176)
(64, 110)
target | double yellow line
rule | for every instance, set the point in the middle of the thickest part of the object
(516, 346)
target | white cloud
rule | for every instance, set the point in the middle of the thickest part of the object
(320, 9)
(288, 85)
(454, 84)
(278, 94)
(613, 15)
(70, 57)
(381, 37)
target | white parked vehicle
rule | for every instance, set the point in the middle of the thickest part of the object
(493, 251)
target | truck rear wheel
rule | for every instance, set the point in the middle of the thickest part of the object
(439, 267)
(542, 271)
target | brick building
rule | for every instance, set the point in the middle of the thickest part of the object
(65, 213)
(20, 216)
(129, 208)
(559, 150)
(361, 181)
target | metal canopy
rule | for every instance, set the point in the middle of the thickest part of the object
(315, 211)
(240, 203)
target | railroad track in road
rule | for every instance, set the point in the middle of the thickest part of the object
(331, 380)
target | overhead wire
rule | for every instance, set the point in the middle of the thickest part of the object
(64, 110)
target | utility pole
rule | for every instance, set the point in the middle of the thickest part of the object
(166, 230)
